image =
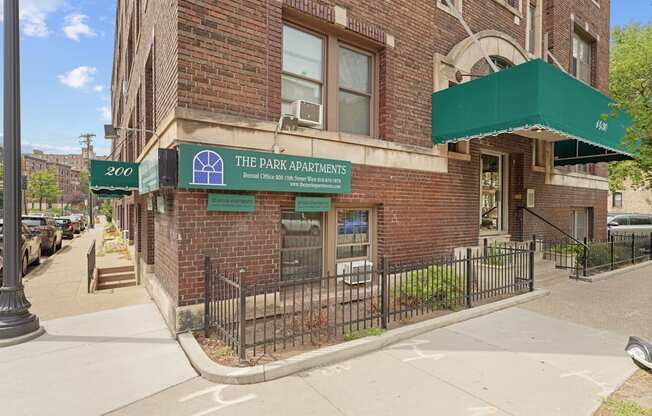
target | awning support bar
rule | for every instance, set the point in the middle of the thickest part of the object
(459, 17)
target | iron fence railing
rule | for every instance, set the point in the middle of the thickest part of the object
(591, 257)
(90, 265)
(263, 314)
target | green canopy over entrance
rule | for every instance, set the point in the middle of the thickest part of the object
(113, 178)
(534, 100)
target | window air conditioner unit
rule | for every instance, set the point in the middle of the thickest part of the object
(355, 272)
(307, 114)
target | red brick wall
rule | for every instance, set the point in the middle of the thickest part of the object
(557, 22)
(166, 251)
(419, 214)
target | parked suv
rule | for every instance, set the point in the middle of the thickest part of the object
(628, 224)
(30, 248)
(51, 235)
(81, 219)
(66, 226)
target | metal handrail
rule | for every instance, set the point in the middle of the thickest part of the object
(554, 226)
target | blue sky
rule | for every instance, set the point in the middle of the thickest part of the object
(67, 52)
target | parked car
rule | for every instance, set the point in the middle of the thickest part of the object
(628, 224)
(51, 235)
(30, 248)
(81, 219)
(66, 226)
(78, 221)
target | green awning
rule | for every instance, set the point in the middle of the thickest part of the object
(534, 100)
(110, 177)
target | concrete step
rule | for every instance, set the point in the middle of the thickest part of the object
(115, 277)
(111, 270)
(116, 284)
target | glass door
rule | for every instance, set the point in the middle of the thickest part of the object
(580, 223)
(302, 242)
(491, 184)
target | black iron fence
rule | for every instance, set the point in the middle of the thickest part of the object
(263, 314)
(590, 257)
(90, 265)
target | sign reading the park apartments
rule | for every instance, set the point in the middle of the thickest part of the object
(210, 167)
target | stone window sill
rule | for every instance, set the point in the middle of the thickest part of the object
(459, 156)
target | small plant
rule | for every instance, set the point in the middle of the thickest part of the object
(625, 408)
(495, 256)
(436, 286)
(369, 332)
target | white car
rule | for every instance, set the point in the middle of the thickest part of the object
(628, 224)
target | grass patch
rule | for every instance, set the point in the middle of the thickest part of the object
(625, 408)
(369, 332)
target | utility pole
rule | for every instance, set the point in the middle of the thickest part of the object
(86, 140)
(17, 324)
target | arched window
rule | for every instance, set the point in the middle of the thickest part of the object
(207, 169)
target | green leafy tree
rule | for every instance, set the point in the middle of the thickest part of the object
(630, 79)
(42, 186)
(106, 209)
(83, 182)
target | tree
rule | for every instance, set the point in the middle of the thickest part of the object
(42, 186)
(83, 182)
(106, 209)
(631, 87)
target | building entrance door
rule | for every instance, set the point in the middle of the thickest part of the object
(491, 193)
(580, 223)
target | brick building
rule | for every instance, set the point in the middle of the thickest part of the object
(219, 75)
(76, 161)
(67, 177)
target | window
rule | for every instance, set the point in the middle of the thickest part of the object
(303, 71)
(207, 169)
(354, 99)
(349, 77)
(531, 22)
(353, 234)
(617, 200)
(582, 59)
(302, 242)
(445, 5)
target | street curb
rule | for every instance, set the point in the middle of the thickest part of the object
(24, 338)
(615, 273)
(218, 373)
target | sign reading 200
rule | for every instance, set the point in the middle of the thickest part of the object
(119, 171)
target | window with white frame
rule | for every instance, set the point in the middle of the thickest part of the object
(303, 67)
(355, 74)
(353, 234)
(531, 27)
(350, 76)
(445, 5)
(582, 58)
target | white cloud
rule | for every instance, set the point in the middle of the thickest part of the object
(79, 77)
(105, 112)
(98, 88)
(34, 14)
(49, 148)
(75, 27)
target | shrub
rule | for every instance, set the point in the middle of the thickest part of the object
(436, 286)
(599, 254)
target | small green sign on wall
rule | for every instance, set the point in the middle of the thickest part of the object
(231, 203)
(312, 204)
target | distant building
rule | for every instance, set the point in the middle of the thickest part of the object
(67, 177)
(630, 200)
(77, 161)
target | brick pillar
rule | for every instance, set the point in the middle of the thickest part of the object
(130, 222)
(149, 240)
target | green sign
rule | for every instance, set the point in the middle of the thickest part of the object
(209, 167)
(148, 178)
(113, 175)
(231, 203)
(310, 204)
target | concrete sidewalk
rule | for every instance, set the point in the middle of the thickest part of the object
(90, 364)
(58, 287)
(513, 362)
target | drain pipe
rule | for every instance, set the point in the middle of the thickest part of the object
(459, 17)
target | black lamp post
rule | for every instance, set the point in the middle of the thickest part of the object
(16, 322)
